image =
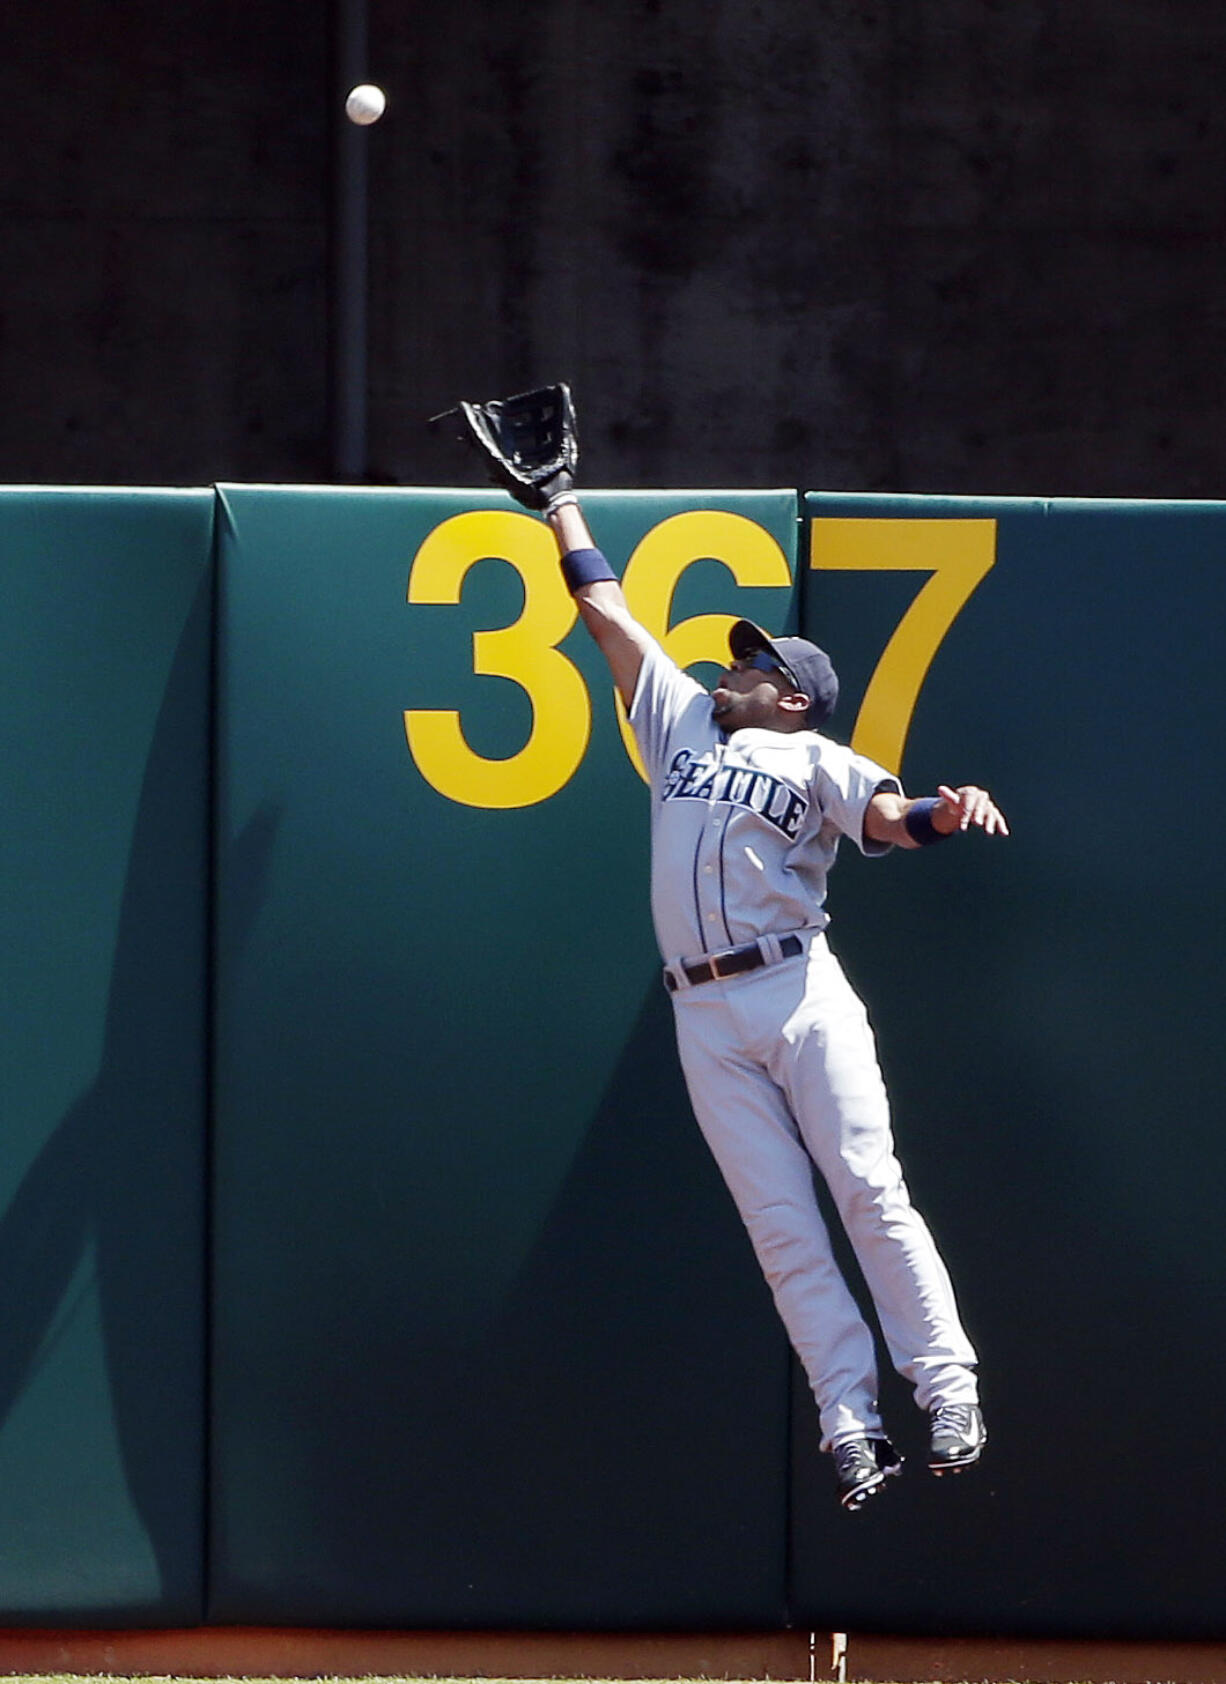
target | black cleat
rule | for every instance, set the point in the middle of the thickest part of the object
(861, 1466)
(958, 1436)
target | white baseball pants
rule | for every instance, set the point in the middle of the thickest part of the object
(782, 1073)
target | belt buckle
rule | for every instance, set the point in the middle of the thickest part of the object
(717, 959)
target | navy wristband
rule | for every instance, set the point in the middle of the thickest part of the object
(918, 820)
(584, 567)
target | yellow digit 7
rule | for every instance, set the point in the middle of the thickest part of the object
(524, 651)
(749, 552)
(959, 554)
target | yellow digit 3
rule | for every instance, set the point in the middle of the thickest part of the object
(746, 549)
(958, 554)
(525, 652)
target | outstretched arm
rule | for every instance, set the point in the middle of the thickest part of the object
(912, 824)
(530, 448)
(601, 604)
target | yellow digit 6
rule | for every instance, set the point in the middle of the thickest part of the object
(525, 652)
(749, 552)
(958, 554)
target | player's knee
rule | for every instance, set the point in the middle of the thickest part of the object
(782, 1240)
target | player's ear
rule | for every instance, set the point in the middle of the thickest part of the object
(794, 702)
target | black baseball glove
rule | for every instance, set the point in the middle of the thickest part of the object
(529, 442)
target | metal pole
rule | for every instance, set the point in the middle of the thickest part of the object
(350, 252)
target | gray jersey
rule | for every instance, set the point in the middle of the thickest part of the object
(745, 828)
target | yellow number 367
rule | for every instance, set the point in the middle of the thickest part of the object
(956, 553)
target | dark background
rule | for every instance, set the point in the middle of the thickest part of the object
(950, 248)
(958, 247)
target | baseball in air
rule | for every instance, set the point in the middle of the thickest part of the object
(366, 104)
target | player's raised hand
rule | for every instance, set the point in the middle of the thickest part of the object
(971, 805)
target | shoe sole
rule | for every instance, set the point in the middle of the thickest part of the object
(856, 1499)
(967, 1461)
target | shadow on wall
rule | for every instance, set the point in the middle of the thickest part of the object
(123, 1172)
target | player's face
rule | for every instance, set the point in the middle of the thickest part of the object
(749, 692)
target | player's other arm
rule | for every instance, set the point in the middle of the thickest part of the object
(602, 607)
(891, 817)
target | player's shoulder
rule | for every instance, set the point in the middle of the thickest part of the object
(839, 764)
(821, 749)
(664, 694)
(833, 748)
(660, 674)
(829, 748)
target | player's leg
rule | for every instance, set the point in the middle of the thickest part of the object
(826, 1060)
(754, 1140)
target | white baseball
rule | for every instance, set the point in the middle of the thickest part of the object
(366, 103)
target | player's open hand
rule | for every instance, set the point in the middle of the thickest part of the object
(968, 806)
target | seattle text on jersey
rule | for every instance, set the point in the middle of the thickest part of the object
(705, 777)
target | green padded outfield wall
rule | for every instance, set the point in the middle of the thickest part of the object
(1049, 1015)
(489, 1344)
(105, 640)
(490, 1348)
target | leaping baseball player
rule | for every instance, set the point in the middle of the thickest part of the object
(749, 803)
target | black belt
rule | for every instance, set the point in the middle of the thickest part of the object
(733, 961)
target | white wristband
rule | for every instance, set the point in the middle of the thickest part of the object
(555, 503)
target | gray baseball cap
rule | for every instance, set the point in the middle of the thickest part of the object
(803, 662)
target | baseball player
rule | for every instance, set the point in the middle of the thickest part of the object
(749, 804)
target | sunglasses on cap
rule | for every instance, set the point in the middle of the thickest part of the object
(762, 661)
